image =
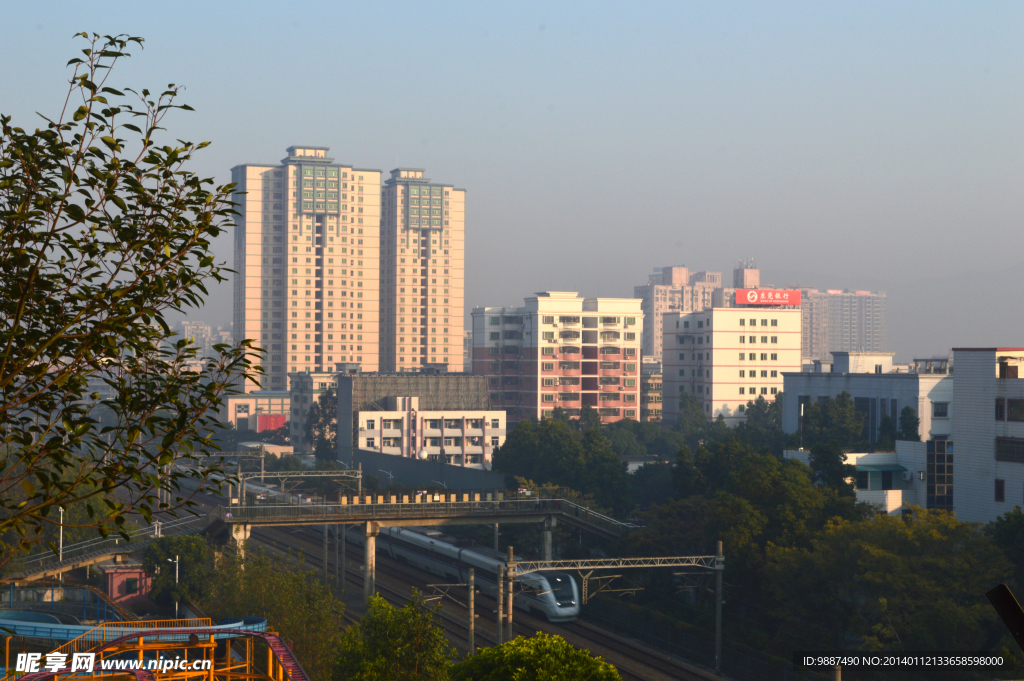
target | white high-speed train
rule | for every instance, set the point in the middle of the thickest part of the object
(552, 594)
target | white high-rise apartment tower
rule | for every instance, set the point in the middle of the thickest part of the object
(422, 275)
(307, 259)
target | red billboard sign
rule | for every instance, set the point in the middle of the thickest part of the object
(766, 296)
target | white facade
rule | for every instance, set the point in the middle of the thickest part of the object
(463, 438)
(726, 357)
(877, 390)
(988, 428)
(891, 480)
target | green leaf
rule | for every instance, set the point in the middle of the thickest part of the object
(80, 113)
(29, 488)
(167, 250)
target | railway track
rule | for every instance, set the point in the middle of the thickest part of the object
(633, 660)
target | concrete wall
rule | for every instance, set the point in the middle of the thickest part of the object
(421, 474)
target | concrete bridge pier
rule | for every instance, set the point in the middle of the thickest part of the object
(372, 529)
(549, 524)
(240, 533)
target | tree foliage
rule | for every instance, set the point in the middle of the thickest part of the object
(544, 657)
(193, 568)
(103, 230)
(833, 420)
(293, 600)
(552, 452)
(829, 468)
(322, 426)
(910, 425)
(893, 584)
(395, 643)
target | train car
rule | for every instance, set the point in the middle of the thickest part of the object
(552, 594)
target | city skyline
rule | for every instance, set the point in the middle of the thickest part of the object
(772, 133)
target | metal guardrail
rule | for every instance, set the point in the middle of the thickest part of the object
(314, 513)
(135, 540)
(108, 631)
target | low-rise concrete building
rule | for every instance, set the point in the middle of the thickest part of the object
(877, 390)
(988, 426)
(428, 416)
(892, 481)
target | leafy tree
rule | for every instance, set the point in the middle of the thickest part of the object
(692, 423)
(910, 425)
(1007, 532)
(892, 584)
(588, 420)
(389, 643)
(833, 420)
(544, 657)
(551, 452)
(886, 434)
(322, 426)
(100, 237)
(652, 484)
(762, 429)
(292, 598)
(193, 568)
(829, 468)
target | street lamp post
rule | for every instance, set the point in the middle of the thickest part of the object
(175, 561)
(60, 549)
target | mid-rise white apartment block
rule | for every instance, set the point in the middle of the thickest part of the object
(561, 350)
(727, 357)
(988, 428)
(307, 240)
(878, 390)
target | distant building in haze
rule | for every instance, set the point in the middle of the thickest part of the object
(672, 289)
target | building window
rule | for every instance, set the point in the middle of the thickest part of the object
(131, 585)
(370, 443)
(743, 356)
(1010, 449)
(548, 366)
(743, 339)
(1015, 410)
(1000, 491)
(1000, 409)
(370, 424)
(743, 322)
(494, 442)
(741, 390)
(940, 410)
(775, 356)
(495, 423)
(775, 339)
(775, 322)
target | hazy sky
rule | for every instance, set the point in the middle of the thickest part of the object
(874, 146)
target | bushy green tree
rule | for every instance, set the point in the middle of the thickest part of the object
(544, 657)
(829, 468)
(322, 426)
(893, 584)
(292, 598)
(910, 425)
(887, 433)
(833, 420)
(193, 565)
(550, 452)
(103, 231)
(395, 643)
(762, 428)
(1007, 532)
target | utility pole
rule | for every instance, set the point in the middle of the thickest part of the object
(509, 571)
(719, 567)
(263, 456)
(472, 613)
(325, 555)
(495, 536)
(344, 565)
(501, 602)
(60, 551)
(336, 557)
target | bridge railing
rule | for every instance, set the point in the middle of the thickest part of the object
(389, 507)
(136, 538)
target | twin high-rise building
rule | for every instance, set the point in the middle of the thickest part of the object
(422, 276)
(334, 268)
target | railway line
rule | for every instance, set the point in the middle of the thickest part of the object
(635, 661)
